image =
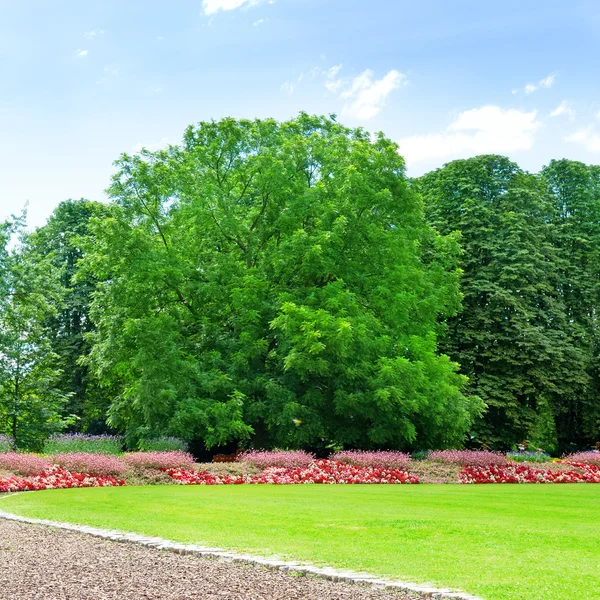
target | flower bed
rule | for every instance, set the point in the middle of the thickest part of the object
(589, 458)
(319, 471)
(92, 464)
(24, 464)
(159, 460)
(478, 458)
(263, 459)
(57, 478)
(582, 473)
(389, 459)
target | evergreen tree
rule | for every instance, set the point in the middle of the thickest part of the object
(31, 403)
(62, 239)
(575, 191)
(510, 337)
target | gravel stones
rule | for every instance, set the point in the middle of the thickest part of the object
(41, 563)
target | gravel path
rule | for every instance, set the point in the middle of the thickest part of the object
(42, 563)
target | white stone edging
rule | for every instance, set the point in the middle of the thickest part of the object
(328, 573)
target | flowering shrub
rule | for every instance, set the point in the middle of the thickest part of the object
(277, 458)
(55, 478)
(94, 464)
(319, 471)
(23, 464)
(588, 458)
(159, 460)
(390, 459)
(476, 458)
(78, 442)
(525, 474)
(6, 443)
(537, 457)
(163, 444)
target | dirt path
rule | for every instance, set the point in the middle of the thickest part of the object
(42, 563)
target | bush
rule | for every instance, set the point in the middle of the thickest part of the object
(92, 464)
(163, 444)
(262, 459)
(23, 464)
(420, 455)
(473, 458)
(6, 443)
(88, 444)
(536, 457)
(159, 460)
(588, 458)
(389, 459)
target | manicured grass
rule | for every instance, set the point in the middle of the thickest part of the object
(517, 542)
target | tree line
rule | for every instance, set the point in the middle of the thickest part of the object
(286, 285)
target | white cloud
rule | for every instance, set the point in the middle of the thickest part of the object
(90, 35)
(364, 95)
(488, 129)
(547, 82)
(331, 83)
(82, 53)
(564, 108)
(288, 87)
(587, 137)
(259, 22)
(213, 6)
(598, 115)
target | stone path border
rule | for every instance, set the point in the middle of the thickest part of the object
(303, 569)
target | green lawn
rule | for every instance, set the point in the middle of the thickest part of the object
(517, 542)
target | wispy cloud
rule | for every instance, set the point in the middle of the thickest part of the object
(476, 131)
(363, 95)
(82, 53)
(547, 82)
(288, 87)
(259, 22)
(90, 35)
(563, 109)
(213, 6)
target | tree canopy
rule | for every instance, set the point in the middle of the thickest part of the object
(266, 281)
(284, 284)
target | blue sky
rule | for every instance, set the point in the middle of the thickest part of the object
(81, 82)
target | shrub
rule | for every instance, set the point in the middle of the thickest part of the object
(159, 460)
(474, 458)
(536, 457)
(23, 464)
(79, 442)
(262, 459)
(588, 458)
(389, 459)
(92, 464)
(420, 455)
(163, 444)
(7, 443)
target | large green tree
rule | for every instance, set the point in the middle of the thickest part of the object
(31, 402)
(510, 337)
(275, 282)
(575, 192)
(61, 240)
